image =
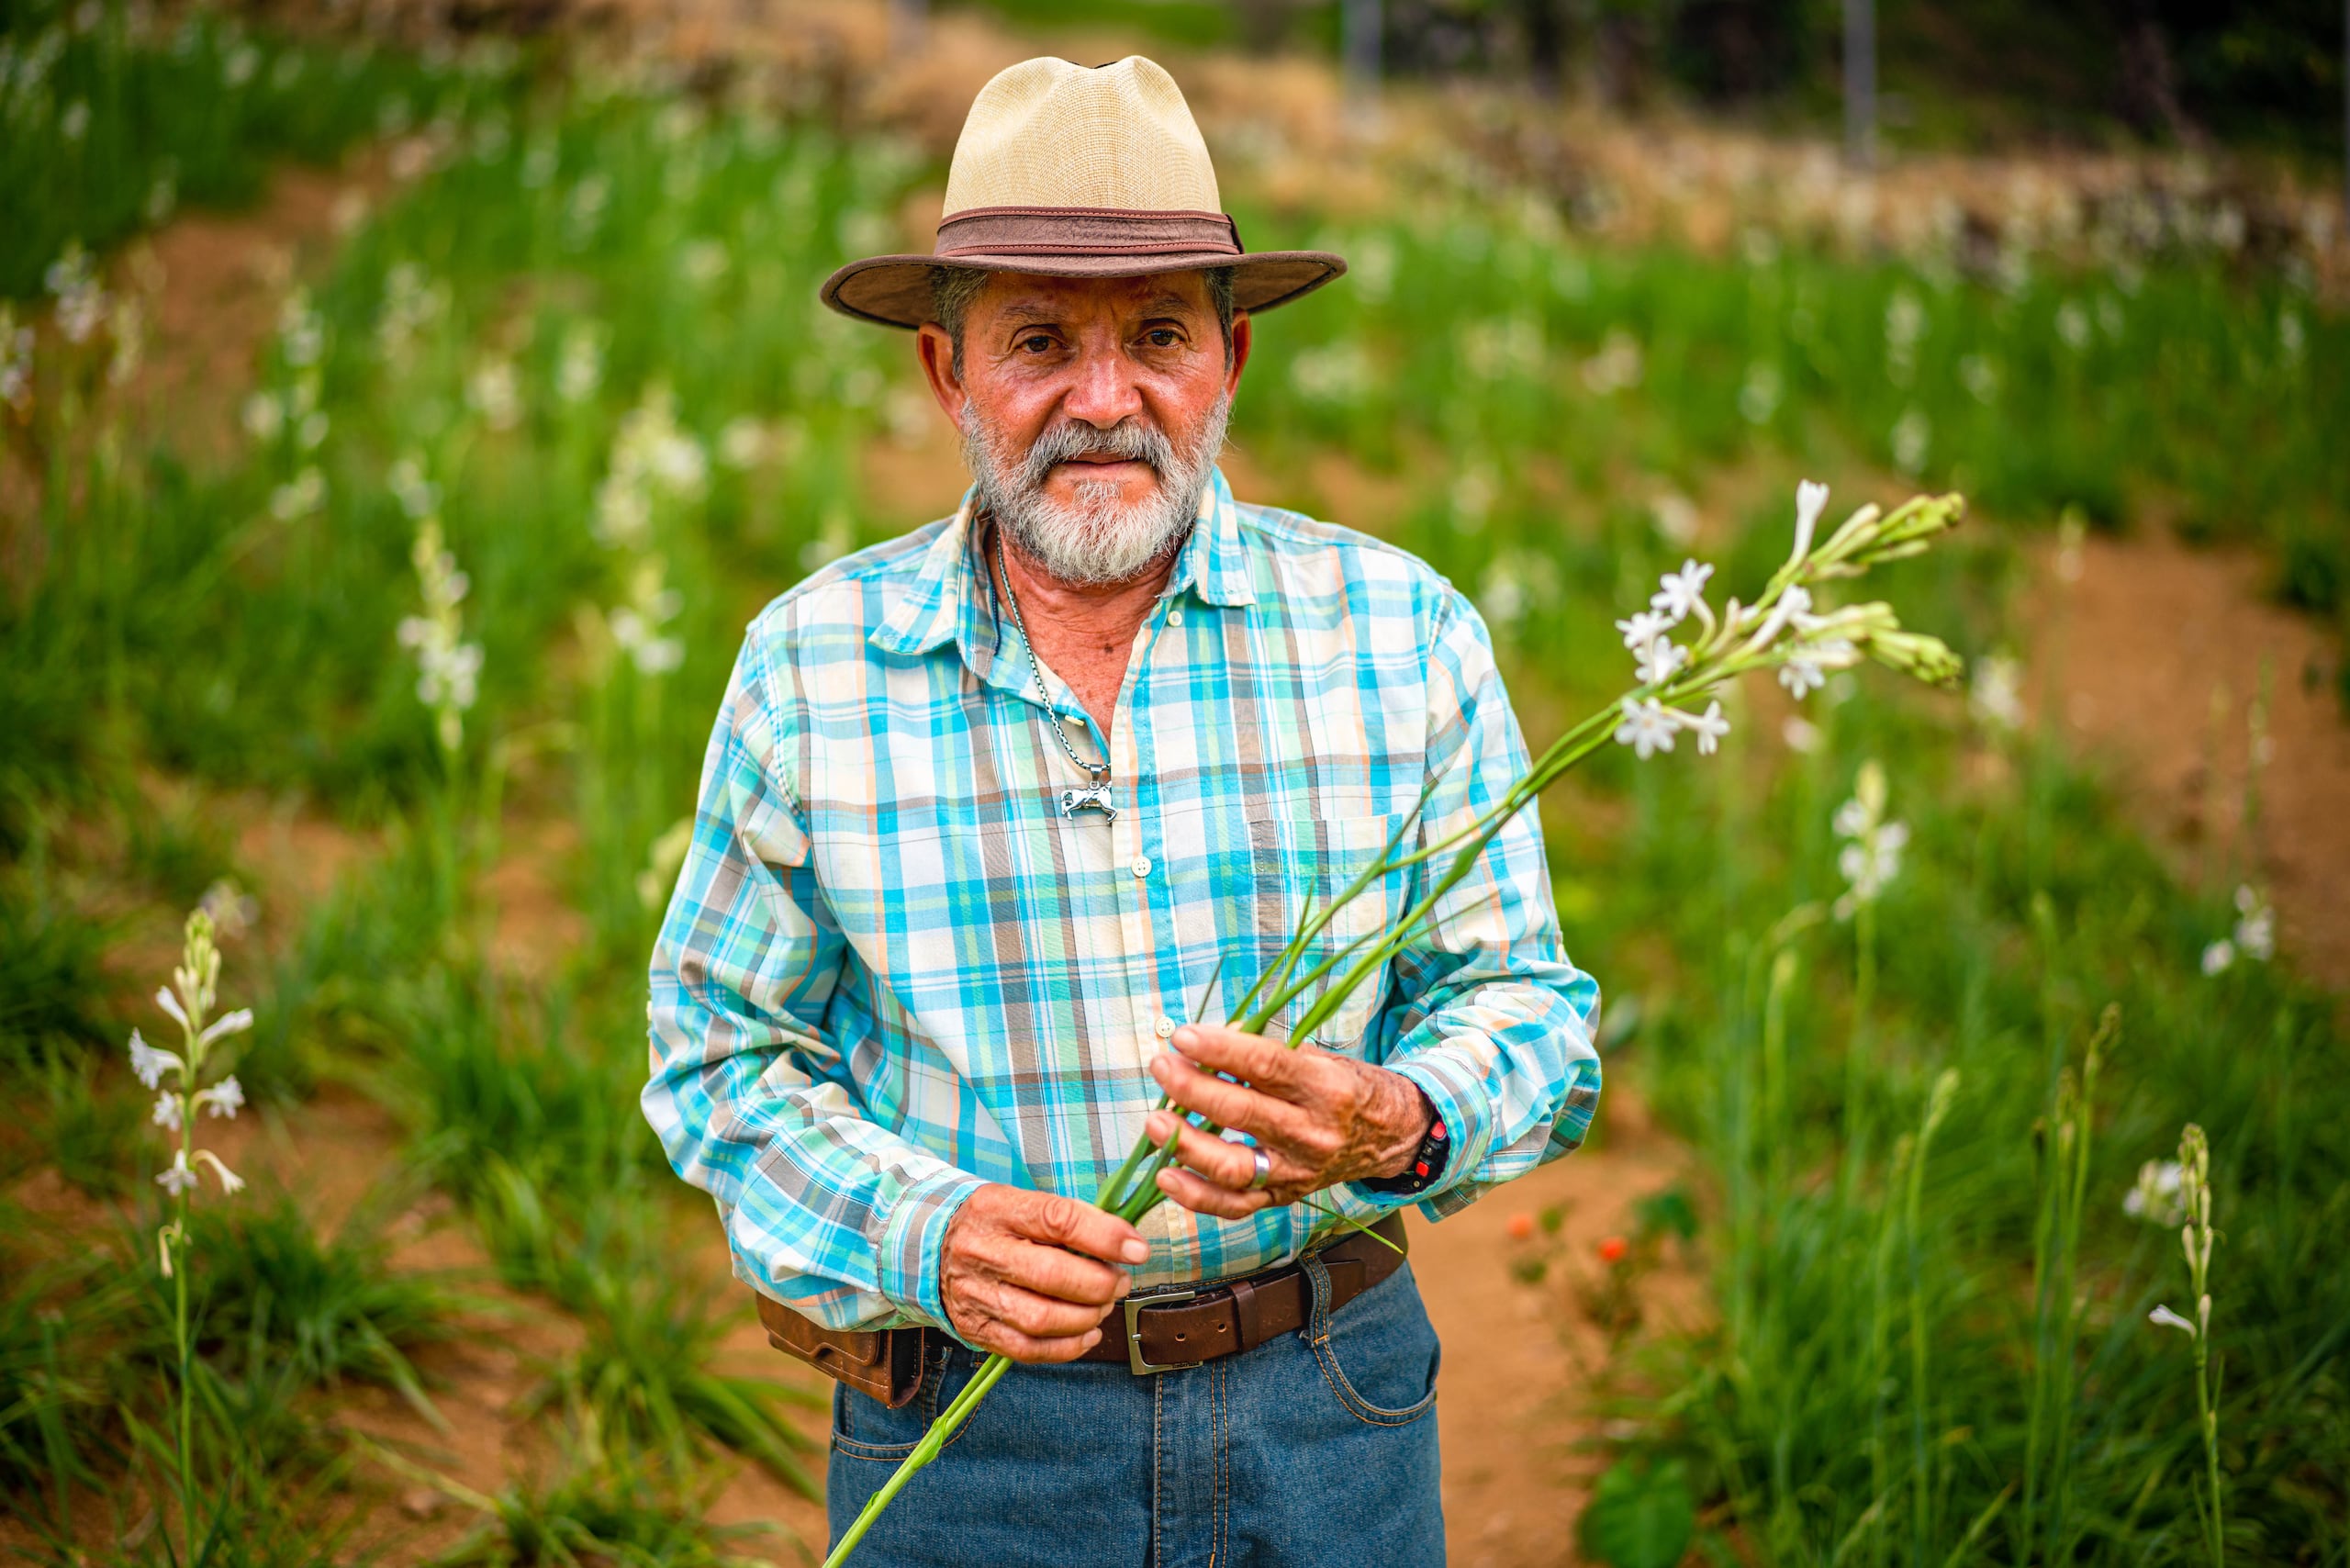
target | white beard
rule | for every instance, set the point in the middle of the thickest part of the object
(1092, 539)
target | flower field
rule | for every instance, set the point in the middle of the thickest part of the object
(397, 658)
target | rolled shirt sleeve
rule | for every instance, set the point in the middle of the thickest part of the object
(825, 1209)
(1489, 1018)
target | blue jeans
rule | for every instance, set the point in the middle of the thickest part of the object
(1313, 1449)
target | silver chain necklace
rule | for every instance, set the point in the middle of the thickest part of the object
(1096, 795)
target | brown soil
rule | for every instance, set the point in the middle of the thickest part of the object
(2160, 654)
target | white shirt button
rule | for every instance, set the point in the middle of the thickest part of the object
(1166, 1028)
(1142, 866)
(1074, 721)
(1174, 618)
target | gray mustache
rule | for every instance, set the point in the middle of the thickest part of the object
(1067, 438)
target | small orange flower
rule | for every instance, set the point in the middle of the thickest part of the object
(1521, 1226)
(1612, 1249)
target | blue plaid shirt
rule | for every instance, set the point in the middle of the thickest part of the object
(892, 970)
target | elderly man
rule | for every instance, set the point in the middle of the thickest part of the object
(998, 818)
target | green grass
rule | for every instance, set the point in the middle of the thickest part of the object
(115, 115)
(1884, 1374)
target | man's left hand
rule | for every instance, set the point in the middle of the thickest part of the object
(1320, 1117)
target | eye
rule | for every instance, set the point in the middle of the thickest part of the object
(1162, 337)
(1036, 342)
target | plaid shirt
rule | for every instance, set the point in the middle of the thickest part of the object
(893, 971)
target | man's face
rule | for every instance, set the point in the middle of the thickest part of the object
(1092, 410)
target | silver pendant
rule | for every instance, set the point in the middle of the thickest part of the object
(1094, 797)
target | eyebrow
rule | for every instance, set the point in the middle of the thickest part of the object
(1035, 309)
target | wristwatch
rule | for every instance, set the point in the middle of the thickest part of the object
(1427, 1160)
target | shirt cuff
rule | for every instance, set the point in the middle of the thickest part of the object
(913, 1239)
(1457, 1090)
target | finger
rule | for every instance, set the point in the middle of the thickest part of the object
(1230, 1105)
(1272, 1070)
(1028, 1348)
(1038, 1316)
(1227, 1164)
(1063, 1276)
(1207, 1198)
(1081, 1227)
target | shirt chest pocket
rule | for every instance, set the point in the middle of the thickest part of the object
(1299, 868)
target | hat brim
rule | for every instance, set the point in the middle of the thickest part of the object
(894, 291)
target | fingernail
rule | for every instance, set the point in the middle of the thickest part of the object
(1125, 1286)
(1186, 1038)
(1092, 1338)
(1135, 1251)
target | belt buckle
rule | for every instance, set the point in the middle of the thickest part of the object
(1135, 1363)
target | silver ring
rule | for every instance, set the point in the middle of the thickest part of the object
(1264, 1177)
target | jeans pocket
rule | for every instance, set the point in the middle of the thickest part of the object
(864, 1427)
(1379, 1354)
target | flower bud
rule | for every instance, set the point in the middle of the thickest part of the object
(1915, 653)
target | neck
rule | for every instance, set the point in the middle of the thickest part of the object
(1045, 598)
(1084, 633)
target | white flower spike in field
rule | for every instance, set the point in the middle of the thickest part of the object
(2218, 958)
(2163, 1317)
(2155, 1197)
(188, 1002)
(449, 669)
(1874, 858)
(2255, 931)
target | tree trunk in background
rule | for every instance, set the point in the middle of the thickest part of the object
(1860, 82)
(1546, 44)
(1360, 24)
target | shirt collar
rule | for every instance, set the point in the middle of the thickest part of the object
(949, 599)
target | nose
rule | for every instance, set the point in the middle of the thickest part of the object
(1102, 388)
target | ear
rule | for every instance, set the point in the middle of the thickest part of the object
(936, 350)
(1238, 360)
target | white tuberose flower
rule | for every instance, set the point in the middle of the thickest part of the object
(149, 1064)
(178, 1178)
(167, 1111)
(1811, 499)
(1644, 627)
(230, 1180)
(2165, 1318)
(1679, 592)
(1710, 727)
(224, 1098)
(1800, 676)
(1647, 727)
(1659, 659)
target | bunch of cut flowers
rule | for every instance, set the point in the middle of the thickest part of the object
(1684, 652)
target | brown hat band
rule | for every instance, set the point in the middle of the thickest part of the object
(1083, 231)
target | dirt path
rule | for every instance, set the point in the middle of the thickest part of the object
(2159, 653)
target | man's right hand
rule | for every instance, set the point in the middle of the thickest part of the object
(1020, 1275)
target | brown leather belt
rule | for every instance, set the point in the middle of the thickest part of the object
(1172, 1328)
(1153, 1333)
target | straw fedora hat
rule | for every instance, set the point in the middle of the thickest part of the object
(1078, 172)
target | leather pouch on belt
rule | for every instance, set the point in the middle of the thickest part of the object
(880, 1364)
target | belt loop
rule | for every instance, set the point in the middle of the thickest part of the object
(1244, 1312)
(1317, 1274)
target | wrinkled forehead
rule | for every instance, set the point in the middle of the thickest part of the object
(1035, 296)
